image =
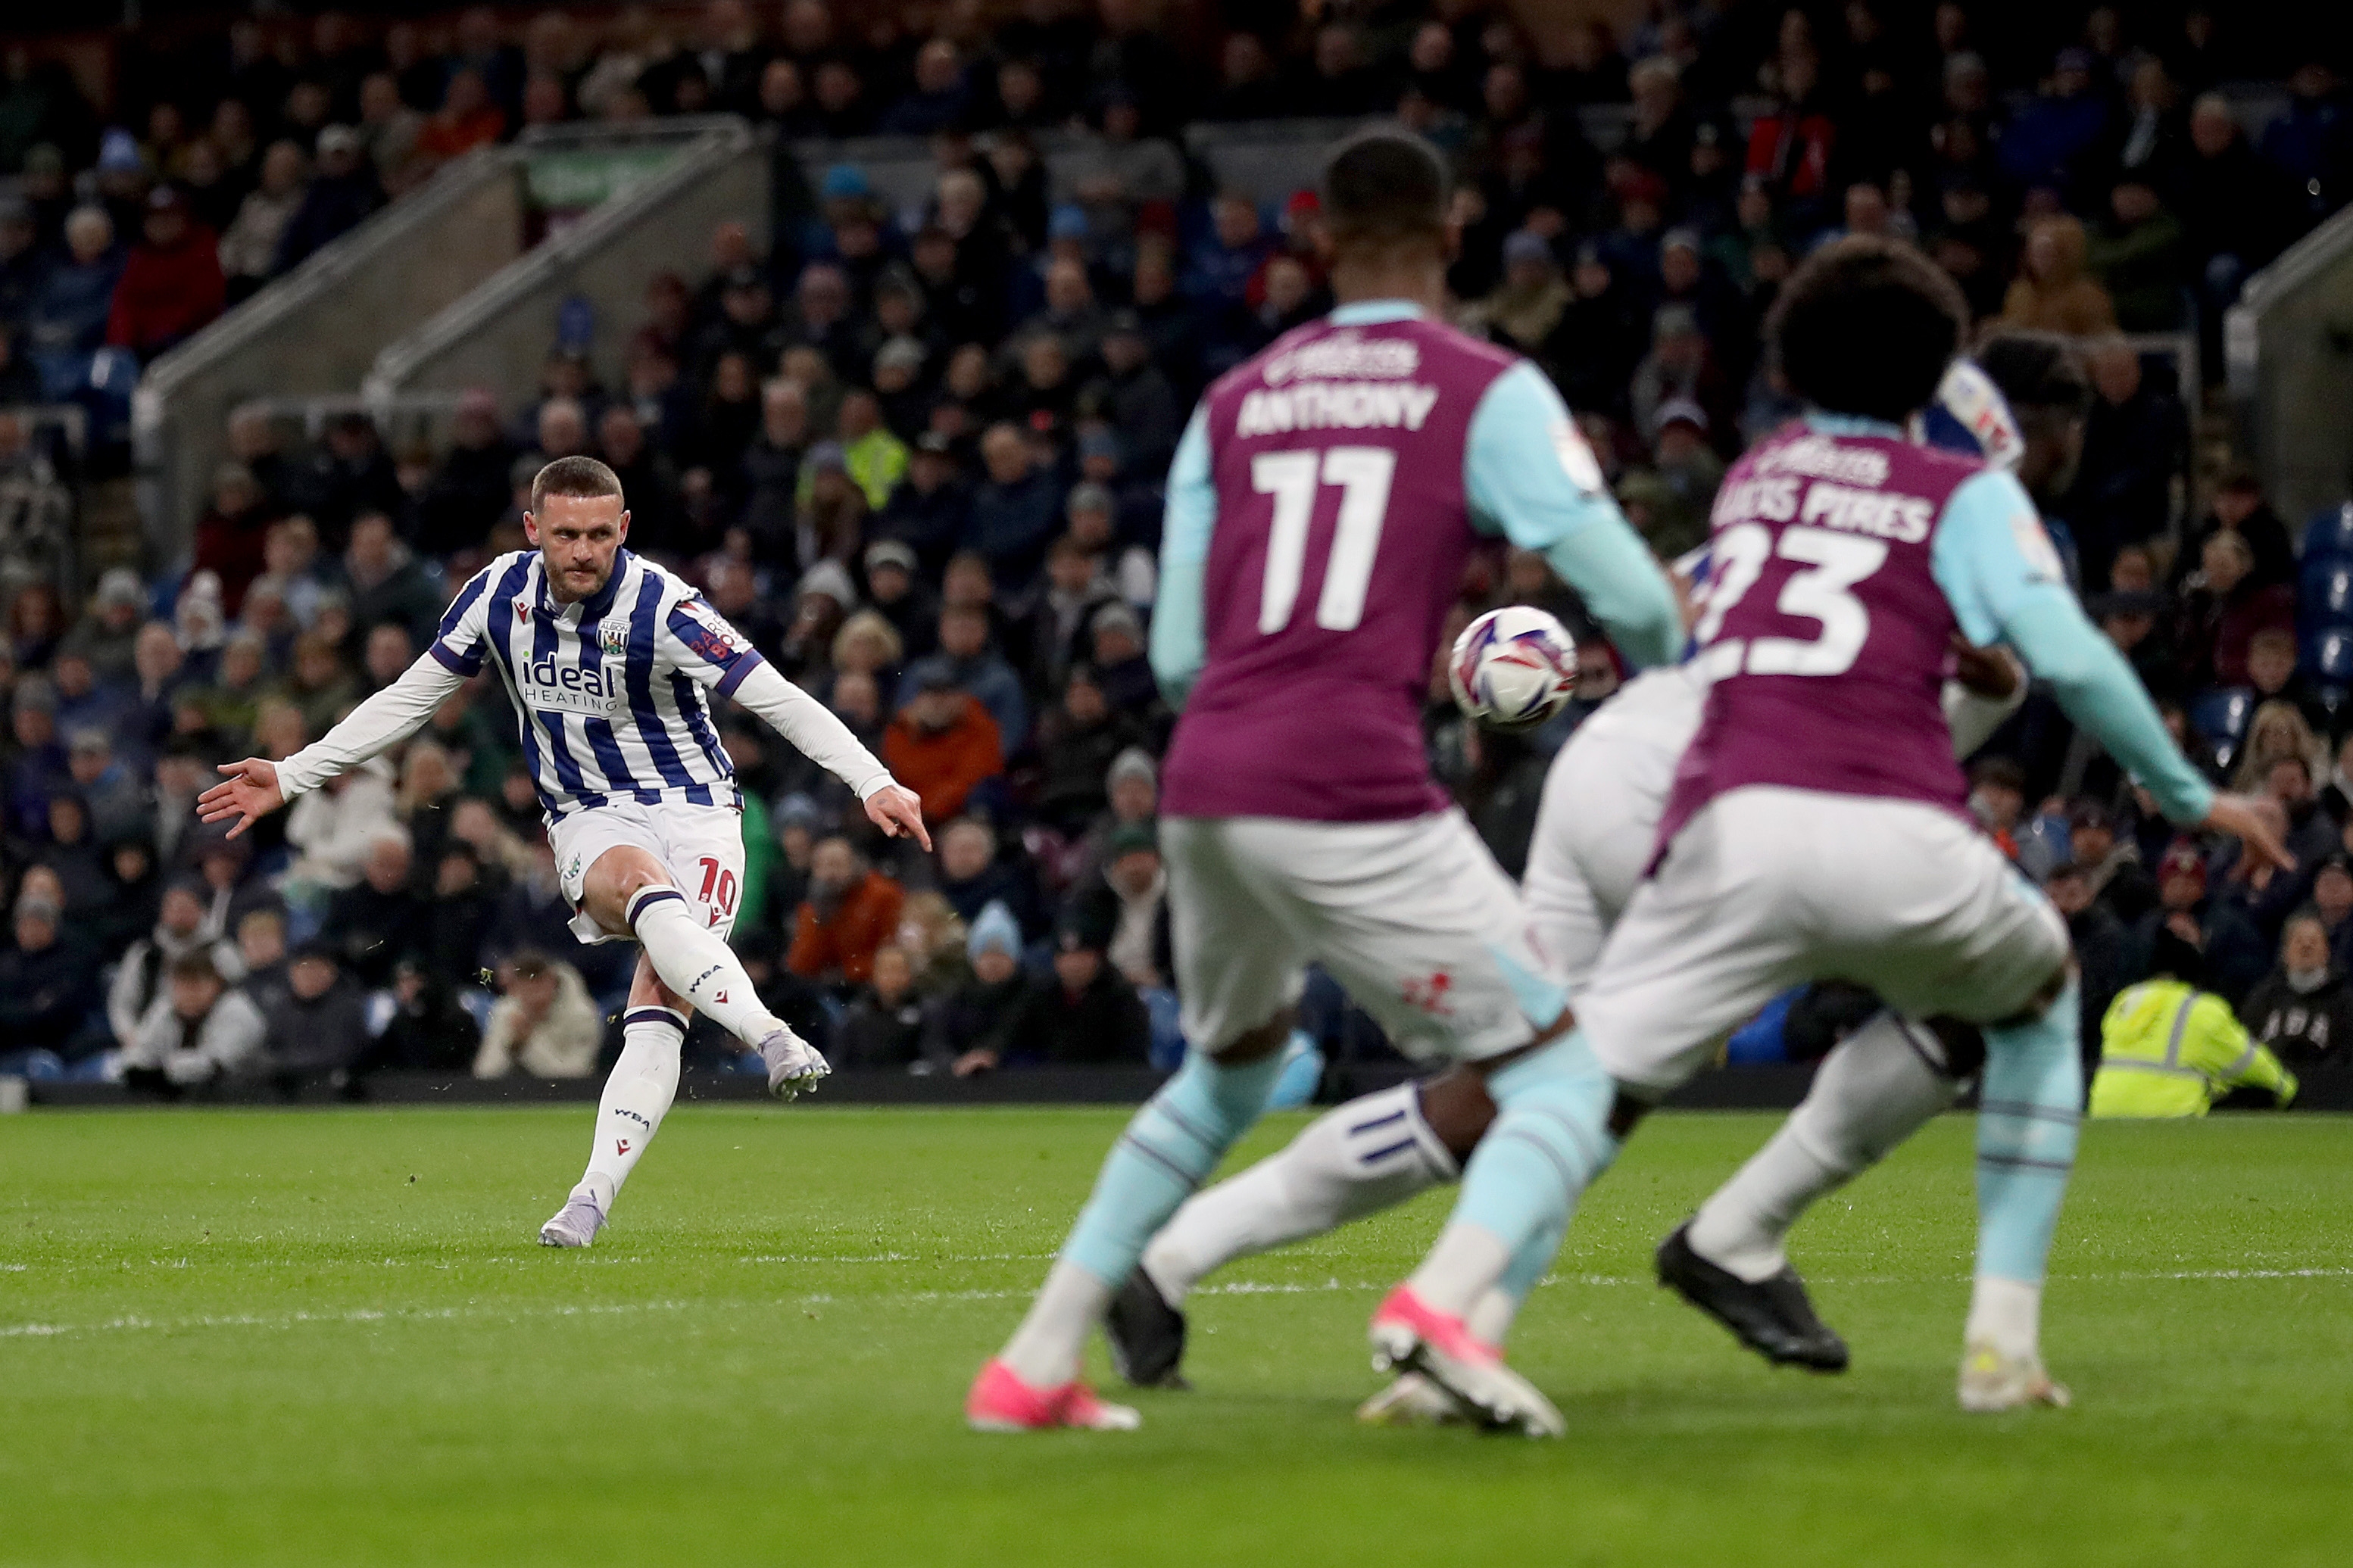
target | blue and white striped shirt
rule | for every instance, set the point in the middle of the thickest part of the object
(608, 692)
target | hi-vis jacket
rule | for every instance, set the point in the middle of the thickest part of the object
(2168, 1049)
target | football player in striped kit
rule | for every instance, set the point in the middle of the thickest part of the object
(607, 659)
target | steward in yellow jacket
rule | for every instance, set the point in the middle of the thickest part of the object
(2168, 1049)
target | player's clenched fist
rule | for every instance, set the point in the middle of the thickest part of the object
(249, 793)
(895, 810)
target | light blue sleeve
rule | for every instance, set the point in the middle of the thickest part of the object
(1530, 478)
(1179, 637)
(2005, 582)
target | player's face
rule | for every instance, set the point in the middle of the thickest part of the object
(578, 537)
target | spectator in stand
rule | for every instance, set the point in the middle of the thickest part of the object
(1123, 671)
(973, 875)
(971, 1027)
(2110, 866)
(2237, 212)
(852, 910)
(883, 1030)
(197, 1035)
(171, 284)
(429, 1029)
(468, 117)
(2103, 946)
(232, 537)
(1124, 907)
(2224, 608)
(1078, 740)
(248, 247)
(1085, 1014)
(2239, 506)
(2303, 1011)
(895, 592)
(107, 635)
(387, 582)
(378, 919)
(388, 130)
(2234, 953)
(545, 1024)
(968, 662)
(2135, 441)
(340, 198)
(943, 744)
(66, 322)
(470, 488)
(2137, 256)
(2052, 292)
(315, 1026)
(2054, 139)
(145, 970)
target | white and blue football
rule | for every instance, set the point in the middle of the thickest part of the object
(1513, 667)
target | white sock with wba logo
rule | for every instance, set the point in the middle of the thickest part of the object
(696, 965)
(638, 1094)
(1368, 1155)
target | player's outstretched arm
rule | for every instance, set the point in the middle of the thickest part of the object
(824, 739)
(256, 786)
(1529, 473)
(249, 793)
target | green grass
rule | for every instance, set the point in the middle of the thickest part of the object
(255, 1338)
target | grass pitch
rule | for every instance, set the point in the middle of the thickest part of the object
(328, 1338)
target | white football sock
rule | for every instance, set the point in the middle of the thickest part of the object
(1044, 1350)
(1370, 1153)
(1877, 1089)
(1462, 1268)
(696, 965)
(637, 1096)
(1491, 1317)
(2008, 1315)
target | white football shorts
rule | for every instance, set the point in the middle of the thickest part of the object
(700, 846)
(1603, 797)
(1768, 887)
(1414, 919)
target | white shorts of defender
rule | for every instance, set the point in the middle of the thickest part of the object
(1767, 887)
(702, 847)
(1603, 798)
(1414, 919)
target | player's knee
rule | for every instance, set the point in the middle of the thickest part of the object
(1458, 1110)
(1961, 1045)
(2045, 996)
(1257, 1045)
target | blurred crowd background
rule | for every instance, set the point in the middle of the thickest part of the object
(913, 449)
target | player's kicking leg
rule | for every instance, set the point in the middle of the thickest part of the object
(627, 891)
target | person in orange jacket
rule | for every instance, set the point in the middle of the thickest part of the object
(942, 745)
(851, 913)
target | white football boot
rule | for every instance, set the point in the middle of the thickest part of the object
(1993, 1381)
(794, 1065)
(1412, 1401)
(575, 1225)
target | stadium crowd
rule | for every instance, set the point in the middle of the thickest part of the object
(916, 458)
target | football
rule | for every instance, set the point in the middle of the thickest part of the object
(1513, 667)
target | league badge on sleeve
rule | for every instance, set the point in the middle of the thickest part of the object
(709, 636)
(2034, 544)
(1575, 457)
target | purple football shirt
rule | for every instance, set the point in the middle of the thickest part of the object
(1824, 631)
(1342, 527)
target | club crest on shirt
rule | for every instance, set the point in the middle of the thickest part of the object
(613, 637)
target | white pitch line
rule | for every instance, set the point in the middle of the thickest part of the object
(1237, 1288)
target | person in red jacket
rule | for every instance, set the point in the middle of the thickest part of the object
(943, 744)
(850, 912)
(172, 285)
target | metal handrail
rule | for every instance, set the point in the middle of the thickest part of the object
(725, 137)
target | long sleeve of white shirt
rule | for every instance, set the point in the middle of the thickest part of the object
(812, 728)
(385, 720)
